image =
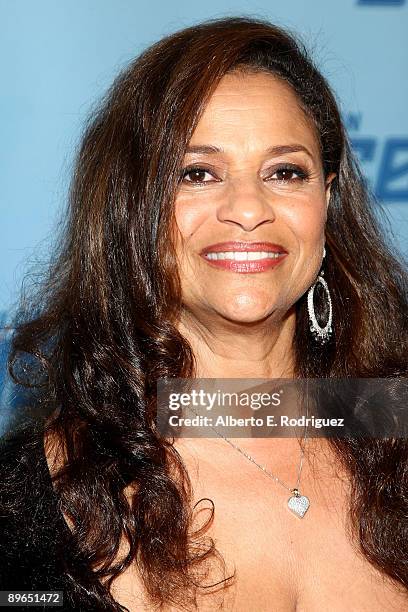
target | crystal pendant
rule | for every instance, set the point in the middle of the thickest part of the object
(298, 504)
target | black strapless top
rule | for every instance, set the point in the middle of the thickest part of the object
(36, 551)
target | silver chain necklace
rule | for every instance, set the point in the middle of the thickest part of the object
(297, 503)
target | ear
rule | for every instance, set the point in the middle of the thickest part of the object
(328, 183)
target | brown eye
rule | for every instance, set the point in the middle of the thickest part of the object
(196, 175)
(288, 174)
(285, 175)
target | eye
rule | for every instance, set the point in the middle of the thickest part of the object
(196, 175)
(288, 174)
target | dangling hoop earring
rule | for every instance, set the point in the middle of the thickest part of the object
(321, 334)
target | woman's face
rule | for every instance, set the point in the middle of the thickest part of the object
(251, 206)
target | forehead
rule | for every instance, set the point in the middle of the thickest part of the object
(254, 107)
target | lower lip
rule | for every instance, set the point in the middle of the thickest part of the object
(246, 267)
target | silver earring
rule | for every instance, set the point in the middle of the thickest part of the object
(321, 334)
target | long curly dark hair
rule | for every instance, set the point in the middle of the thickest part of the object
(101, 329)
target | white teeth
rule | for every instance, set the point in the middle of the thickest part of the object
(244, 255)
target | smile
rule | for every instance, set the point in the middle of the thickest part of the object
(244, 262)
(244, 255)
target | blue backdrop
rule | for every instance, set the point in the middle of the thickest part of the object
(58, 57)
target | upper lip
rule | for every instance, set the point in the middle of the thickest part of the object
(221, 247)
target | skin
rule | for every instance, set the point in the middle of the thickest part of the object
(243, 324)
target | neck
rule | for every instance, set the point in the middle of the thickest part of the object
(229, 349)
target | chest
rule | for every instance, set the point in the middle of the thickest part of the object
(281, 562)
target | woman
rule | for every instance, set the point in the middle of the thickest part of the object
(208, 188)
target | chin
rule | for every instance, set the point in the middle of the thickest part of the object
(248, 320)
(252, 312)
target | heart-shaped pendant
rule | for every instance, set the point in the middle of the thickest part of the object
(298, 504)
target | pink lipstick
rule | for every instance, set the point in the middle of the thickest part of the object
(244, 257)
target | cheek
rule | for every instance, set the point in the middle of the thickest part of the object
(189, 216)
(307, 218)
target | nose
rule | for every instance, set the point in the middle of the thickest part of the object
(246, 205)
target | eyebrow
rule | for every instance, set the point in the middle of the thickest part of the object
(275, 150)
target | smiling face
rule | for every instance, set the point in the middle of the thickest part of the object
(251, 206)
